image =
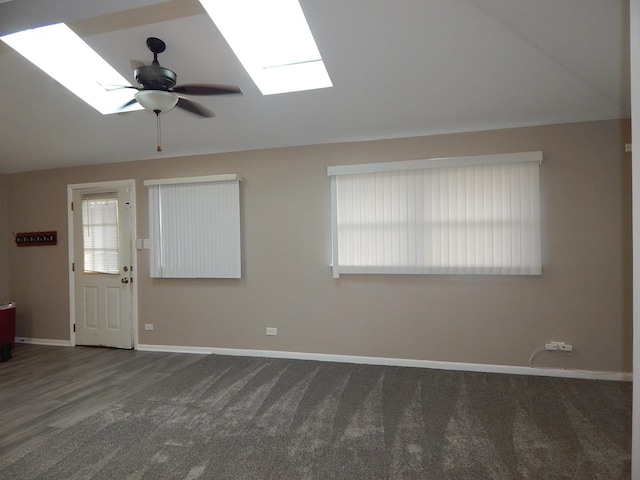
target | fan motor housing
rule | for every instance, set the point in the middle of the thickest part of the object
(155, 77)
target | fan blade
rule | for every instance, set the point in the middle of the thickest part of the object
(206, 89)
(129, 103)
(136, 64)
(193, 107)
(110, 87)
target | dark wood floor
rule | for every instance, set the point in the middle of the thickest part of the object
(44, 389)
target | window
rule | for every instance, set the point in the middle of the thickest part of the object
(74, 64)
(100, 233)
(465, 215)
(194, 227)
(273, 42)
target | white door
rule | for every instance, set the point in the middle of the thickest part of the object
(102, 266)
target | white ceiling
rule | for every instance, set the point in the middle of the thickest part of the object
(399, 68)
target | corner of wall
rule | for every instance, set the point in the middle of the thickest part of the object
(4, 243)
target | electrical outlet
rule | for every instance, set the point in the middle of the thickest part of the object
(272, 331)
(148, 326)
(554, 346)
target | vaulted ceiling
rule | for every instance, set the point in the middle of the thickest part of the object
(399, 68)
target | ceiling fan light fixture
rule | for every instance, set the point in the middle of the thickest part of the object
(156, 101)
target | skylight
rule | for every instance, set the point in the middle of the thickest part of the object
(273, 42)
(63, 55)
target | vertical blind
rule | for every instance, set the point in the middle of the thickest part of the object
(100, 233)
(194, 227)
(464, 215)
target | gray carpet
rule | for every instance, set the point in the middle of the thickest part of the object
(253, 418)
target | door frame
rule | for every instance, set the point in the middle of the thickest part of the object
(134, 255)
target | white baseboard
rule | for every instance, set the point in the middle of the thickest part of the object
(396, 362)
(44, 341)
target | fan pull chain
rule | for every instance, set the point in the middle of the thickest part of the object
(159, 130)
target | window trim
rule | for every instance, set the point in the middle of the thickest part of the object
(441, 162)
(225, 177)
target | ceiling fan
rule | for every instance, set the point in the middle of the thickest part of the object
(158, 91)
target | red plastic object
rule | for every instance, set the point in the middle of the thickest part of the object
(8, 324)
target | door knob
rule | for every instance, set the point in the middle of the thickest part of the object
(124, 280)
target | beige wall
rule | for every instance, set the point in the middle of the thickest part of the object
(583, 296)
(4, 239)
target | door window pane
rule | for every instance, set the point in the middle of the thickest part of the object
(100, 233)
